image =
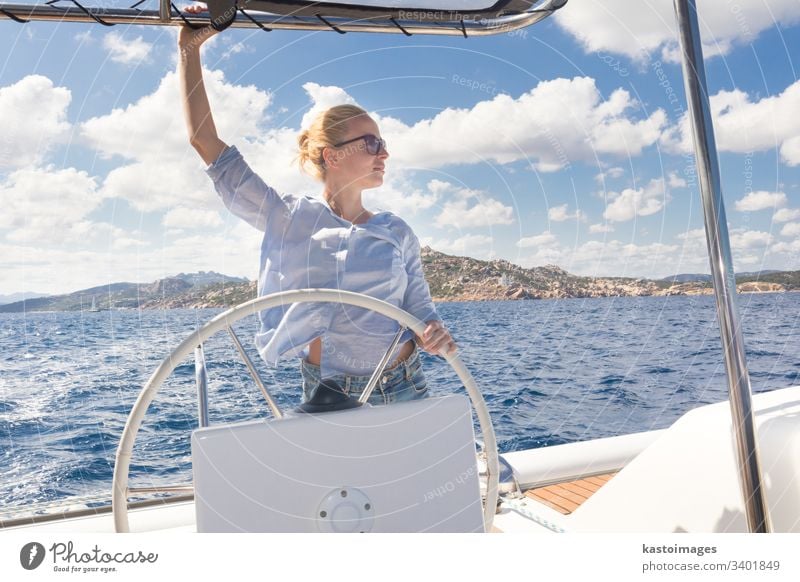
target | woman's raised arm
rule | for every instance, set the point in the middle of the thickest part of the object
(196, 110)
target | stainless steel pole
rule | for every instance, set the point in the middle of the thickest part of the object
(201, 379)
(164, 13)
(719, 252)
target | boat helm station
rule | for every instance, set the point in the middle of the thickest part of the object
(336, 464)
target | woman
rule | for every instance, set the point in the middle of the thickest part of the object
(335, 243)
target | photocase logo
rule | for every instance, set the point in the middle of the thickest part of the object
(31, 555)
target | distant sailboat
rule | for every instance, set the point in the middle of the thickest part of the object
(94, 305)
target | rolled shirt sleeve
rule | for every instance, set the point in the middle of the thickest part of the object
(417, 299)
(246, 195)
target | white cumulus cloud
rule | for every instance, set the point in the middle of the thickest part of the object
(611, 173)
(647, 28)
(760, 200)
(600, 228)
(790, 151)
(399, 196)
(791, 229)
(743, 239)
(47, 205)
(34, 119)
(561, 214)
(644, 201)
(743, 124)
(786, 214)
(473, 245)
(486, 212)
(323, 97)
(545, 239)
(556, 123)
(163, 172)
(188, 218)
(127, 51)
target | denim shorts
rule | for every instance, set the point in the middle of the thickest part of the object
(406, 381)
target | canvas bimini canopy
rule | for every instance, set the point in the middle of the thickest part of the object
(441, 17)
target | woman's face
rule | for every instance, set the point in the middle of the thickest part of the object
(352, 164)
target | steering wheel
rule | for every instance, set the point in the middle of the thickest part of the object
(225, 320)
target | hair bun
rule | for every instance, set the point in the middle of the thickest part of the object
(327, 127)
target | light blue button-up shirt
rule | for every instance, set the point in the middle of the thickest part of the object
(307, 245)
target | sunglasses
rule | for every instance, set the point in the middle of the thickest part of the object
(373, 144)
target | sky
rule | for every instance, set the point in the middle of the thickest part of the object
(565, 143)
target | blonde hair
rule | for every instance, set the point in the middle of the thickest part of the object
(329, 127)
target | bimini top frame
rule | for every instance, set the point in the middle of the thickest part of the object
(507, 16)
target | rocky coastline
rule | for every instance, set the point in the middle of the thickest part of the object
(450, 278)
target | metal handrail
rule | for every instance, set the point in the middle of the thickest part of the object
(88, 511)
(181, 488)
(266, 21)
(719, 251)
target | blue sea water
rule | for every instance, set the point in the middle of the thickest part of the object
(551, 372)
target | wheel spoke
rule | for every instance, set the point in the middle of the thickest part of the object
(379, 370)
(276, 411)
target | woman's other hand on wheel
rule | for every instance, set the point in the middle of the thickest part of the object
(436, 339)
